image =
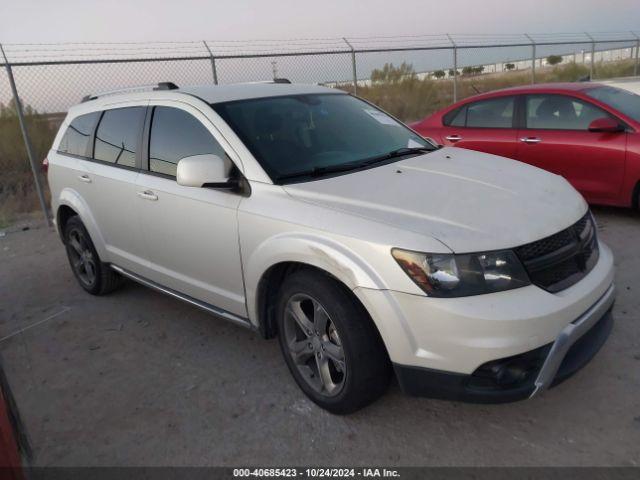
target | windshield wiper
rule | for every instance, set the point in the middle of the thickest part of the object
(400, 152)
(345, 167)
(319, 171)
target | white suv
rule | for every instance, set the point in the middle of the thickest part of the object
(306, 213)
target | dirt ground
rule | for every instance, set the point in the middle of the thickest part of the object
(138, 378)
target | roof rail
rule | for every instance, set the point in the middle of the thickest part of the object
(137, 88)
(258, 82)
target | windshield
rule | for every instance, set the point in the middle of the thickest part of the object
(300, 136)
(622, 100)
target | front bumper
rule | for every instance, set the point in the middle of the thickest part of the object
(535, 371)
(448, 340)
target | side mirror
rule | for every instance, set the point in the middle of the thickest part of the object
(206, 170)
(605, 124)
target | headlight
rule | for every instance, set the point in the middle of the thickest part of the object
(450, 275)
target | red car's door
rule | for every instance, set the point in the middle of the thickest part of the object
(485, 126)
(557, 139)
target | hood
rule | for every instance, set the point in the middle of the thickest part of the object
(468, 200)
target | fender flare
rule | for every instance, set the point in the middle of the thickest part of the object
(309, 249)
(73, 200)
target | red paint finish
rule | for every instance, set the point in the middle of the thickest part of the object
(10, 463)
(604, 166)
(592, 162)
(490, 140)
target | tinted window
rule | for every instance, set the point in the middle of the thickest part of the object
(456, 118)
(559, 112)
(302, 134)
(493, 113)
(176, 134)
(78, 135)
(117, 135)
(622, 100)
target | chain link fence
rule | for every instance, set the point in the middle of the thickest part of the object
(409, 76)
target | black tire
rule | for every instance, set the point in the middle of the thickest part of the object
(365, 371)
(96, 277)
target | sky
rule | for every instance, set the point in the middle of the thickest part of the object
(43, 24)
(35, 21)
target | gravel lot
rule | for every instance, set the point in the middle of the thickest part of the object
(137, 378)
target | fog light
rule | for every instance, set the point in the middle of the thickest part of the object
(510, 374)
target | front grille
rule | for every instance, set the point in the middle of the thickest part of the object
(564, 258)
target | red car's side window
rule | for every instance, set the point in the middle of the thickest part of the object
(491, 113)
(560, 112)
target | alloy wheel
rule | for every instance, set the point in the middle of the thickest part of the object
(82, 258)
(314, 345)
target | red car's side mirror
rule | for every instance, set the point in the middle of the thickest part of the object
(605, 124)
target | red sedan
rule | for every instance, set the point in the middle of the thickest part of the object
(587, 132)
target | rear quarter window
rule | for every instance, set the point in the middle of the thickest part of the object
(456, 117)
(77, 137)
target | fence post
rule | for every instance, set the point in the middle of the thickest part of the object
(25, 137)
(214, 71)
(533, 58)
(353, 65)
(593, 55)
(635, 65)
(455, 68)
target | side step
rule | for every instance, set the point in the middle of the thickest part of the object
(243, 322)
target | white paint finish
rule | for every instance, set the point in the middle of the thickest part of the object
(111, 197)
(198, 170)
(468, 200)
(191, 239)
(460, 334)
(215, 245)
(275, 227)
(63, 182)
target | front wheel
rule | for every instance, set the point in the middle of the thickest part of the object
(330, 344)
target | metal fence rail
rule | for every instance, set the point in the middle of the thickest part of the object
(410, 75)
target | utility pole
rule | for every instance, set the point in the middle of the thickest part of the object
(214, 71)
(635, 65)
(455, 68)
(533, 59)
(353, 66)
(593, 55)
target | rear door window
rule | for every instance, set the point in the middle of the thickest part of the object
(77, 138)
(176, 134)
(118, 134)
(491, 113)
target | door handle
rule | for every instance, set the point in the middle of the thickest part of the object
(148, 195)
(453, 138)
(84, 178)
(530, 139)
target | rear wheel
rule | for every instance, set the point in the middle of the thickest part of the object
(92, 274)
(330, 344)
